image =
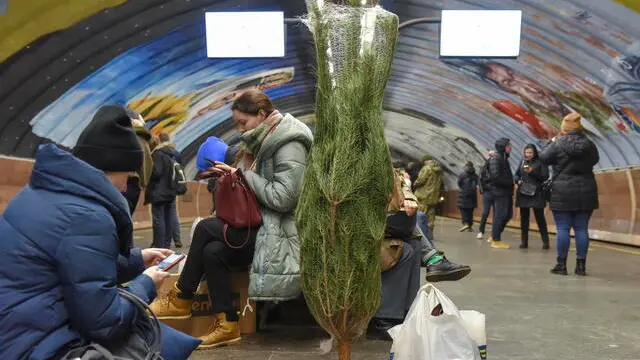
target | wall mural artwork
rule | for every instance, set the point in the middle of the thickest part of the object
(577, 55)
(183, 93)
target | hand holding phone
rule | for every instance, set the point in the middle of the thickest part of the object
(170, 261)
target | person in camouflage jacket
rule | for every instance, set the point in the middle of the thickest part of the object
(428, 189)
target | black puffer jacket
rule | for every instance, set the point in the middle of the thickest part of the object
(538, 174)
(575, 188)
(500, 175)
(467, 184)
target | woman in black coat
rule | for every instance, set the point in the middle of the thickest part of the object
(529, 177)
(574, 192)
(467, 198)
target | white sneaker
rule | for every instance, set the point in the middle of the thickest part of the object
(479, 236)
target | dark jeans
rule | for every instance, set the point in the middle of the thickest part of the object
(502, 213)
(175, 224)
(542, 224)
(467, 216)
(210, 256)
(579, 222)
(487, 204)
(400, 284)
(163, 222)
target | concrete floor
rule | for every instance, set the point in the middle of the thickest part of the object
(531, 314)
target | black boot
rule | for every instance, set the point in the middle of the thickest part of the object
(561, 267)
(378, 328)
(445, 270)
(581, 267)
(524, 240)
(545, 240)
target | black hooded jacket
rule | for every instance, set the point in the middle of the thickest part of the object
(467, 184)
(500, 175)
(160, 188)
(573, 156)
(538, 174)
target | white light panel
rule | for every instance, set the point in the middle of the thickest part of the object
(480, 33)
(245, 34)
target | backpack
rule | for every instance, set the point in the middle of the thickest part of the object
(178, 180)
(485, 175)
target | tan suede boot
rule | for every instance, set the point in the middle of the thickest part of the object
(222, 332)
(171, 306)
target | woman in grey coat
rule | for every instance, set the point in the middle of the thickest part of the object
(272, 159)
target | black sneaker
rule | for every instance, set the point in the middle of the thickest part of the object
(445, 270)
(178, 244)
(378, 328)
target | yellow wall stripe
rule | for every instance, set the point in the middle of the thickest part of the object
(27, 20)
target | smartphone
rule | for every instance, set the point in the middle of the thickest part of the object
(170, 261)
(211, 162)
(526, 166)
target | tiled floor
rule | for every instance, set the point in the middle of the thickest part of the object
(531, 314)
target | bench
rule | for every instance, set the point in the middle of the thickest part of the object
(201, 313)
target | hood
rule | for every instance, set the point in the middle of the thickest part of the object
(501, 145)
(59, 171)
(142, 132)
(290, 129)
(575, 143)
(433, 166)
(169, 149)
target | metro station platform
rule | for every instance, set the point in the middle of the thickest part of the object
(531, 314)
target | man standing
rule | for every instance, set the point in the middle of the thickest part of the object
(161, 194)
(487, 198)
(427, 190)
(501, 188)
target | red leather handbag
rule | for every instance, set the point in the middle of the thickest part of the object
(236, 205)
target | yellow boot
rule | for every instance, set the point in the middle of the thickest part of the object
(171, 306)
(499, 245)
(221, 333)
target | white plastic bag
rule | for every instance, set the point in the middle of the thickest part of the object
(474, 321)
(423, 336)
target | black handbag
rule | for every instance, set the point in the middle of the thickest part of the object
(145, 342)
(528, 189)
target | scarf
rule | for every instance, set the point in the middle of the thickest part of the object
(252, 140)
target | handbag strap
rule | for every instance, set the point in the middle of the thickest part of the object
(143, 307)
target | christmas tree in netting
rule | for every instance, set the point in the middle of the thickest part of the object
(348, 180)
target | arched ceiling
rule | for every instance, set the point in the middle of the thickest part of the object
(581, 55)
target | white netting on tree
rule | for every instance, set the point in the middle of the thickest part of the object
(351, 34)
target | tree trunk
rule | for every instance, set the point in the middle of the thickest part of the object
(344, 351)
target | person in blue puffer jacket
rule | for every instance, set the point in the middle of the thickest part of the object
(66, 244)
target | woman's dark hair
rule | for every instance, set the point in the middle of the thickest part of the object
(532, 147)
(252, 101)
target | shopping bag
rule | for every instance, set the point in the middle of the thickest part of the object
(433, 330)
(474, 321)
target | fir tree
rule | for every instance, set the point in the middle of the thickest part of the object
(348, 180)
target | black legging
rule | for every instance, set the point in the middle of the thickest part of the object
(540, 219)
(211, 256)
